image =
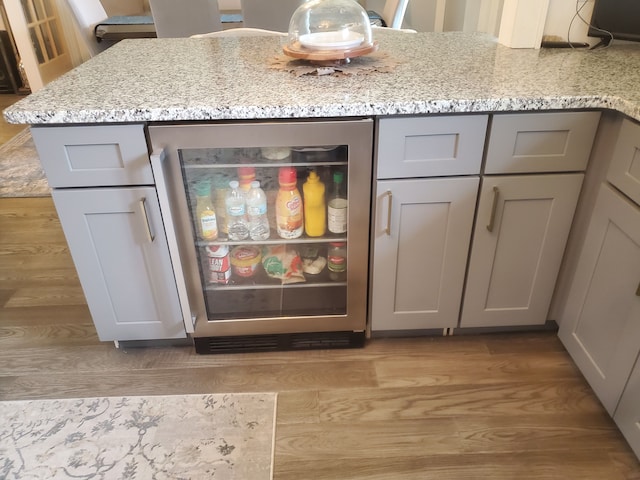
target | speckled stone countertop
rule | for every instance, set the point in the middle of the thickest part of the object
(229, 78)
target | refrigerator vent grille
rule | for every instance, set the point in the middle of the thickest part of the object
(279, 342)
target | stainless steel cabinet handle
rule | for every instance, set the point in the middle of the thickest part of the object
(387, 230)
(494, 207)
(638, 291)
(143, 208)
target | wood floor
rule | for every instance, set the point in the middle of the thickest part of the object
(498, 406)
(7, 130)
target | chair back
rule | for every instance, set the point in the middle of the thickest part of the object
(269, 14)
(393, 12)
(87, 14)
(183, 18)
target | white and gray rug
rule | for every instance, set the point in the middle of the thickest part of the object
(218, 436)
(21, 174)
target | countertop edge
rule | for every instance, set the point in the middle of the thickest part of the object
(443, 106)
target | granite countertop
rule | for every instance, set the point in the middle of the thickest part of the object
(230, 78)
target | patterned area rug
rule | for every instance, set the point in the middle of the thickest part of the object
(21, 174)
(221, 436)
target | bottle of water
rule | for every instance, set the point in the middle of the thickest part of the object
(257, 210)
(237, 224)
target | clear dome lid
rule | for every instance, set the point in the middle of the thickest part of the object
(330, 25)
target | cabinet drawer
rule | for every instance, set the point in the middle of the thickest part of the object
(540, 142)
(94, 155)
(430, 146)
(624, 171)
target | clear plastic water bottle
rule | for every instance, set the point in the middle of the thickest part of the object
(257, 210)
(237, 223)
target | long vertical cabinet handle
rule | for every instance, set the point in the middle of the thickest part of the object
(494, 207)
(388, 193)
(143, 209)
(638, 291)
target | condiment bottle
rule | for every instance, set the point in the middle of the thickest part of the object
(337, 208)
(289, 209)
(337, 261)
(315, 213)
(205, 213)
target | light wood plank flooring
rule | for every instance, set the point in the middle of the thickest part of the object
(8, 130)
(499, 406)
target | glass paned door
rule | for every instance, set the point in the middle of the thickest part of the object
(39, 39)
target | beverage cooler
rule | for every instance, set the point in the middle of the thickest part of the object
(268, 228)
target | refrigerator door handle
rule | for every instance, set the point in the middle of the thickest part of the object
(157, 166)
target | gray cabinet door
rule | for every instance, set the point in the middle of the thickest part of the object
(601, 321)
(119, 247)
(94, 155)
(624, 171)
(410, 147)
(540, 142)
(521, 229)
(421, 241)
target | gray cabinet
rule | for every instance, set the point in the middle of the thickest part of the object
(624, 171)
(521, 230)
(114, 228)
(412, 147)
(422, 224)
(119, 247)
(422, 231)
(93, 156)
(540, 142)
(600, 325)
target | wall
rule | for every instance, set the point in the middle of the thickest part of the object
(420, 16)
(559, 18)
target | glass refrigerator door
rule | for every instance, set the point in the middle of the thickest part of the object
(302, 266)
(270, 226)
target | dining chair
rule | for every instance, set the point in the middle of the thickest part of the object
(183, 18)
(393, 12)
(87, 14)
(241, 32)
(269, 15)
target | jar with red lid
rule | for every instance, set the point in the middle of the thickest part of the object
(245, 260)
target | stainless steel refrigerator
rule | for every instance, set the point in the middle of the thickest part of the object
(300, 290)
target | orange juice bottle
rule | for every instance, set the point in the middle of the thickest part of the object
(315, 214)
(205, 214)
(289, 210)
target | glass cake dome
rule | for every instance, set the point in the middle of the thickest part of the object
(330, 25)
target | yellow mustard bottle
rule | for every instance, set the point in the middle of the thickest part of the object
(315, 213)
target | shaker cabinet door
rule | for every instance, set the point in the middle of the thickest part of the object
(421, 241)
(600, 325)
(117, 241)
(518, 244)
